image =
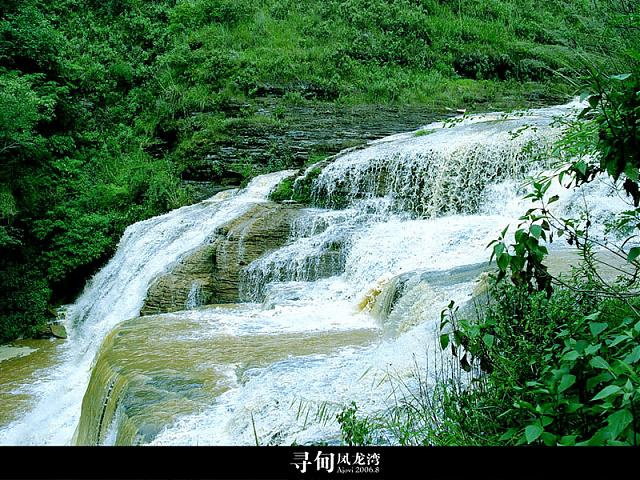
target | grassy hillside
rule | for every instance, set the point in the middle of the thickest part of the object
(106, 106)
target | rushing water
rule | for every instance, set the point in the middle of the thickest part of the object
(324, 323)
(116, 294)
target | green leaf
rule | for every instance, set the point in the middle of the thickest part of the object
(621, 368)
(628, 387)
(570, 356)
(631, 171)
(592, 316)
(596, 440)
(517, 264)
(532, 433)
(503, 261)
(444, 340)
(618, 421)
(617, 340)
(633, 254)
(498, 248)
(549, 439)
(634, 356)
(566, 381)
(604, 377)
(599, 362)
(581, 346)
(591, 349)
(621, 77)
(488, 340)
(607, 392)
(508, 434)
(573, 407)
(535, 230)
(568, 440)
(594, 100)
(618, 443)
(473, 330)
(581, 166)
(597, 328)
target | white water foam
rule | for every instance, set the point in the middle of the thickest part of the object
(116, 293)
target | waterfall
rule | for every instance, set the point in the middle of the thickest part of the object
(116, 293)
(445, 167)
(195, 297)
(353, 298)
(317, 249)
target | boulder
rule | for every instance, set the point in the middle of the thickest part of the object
(397, 292)
(58, 330)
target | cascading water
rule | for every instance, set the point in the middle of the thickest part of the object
(195, 297)
(443, 168)
(116, 293)
(318, 247)
(352, 298)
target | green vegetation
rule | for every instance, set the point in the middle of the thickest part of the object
(356, 431)
(422, 133)
(551, 360)
(106, 107)
(283, 192)
(297, 189)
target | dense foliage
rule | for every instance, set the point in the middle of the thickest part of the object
(105, 105)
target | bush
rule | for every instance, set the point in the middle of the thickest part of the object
(24, 299)
(567, 372)
(355, 431)
(559, 370)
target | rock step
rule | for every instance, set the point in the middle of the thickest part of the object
(216, 266)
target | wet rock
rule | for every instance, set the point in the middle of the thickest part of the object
(7, 352)
(149, 373)
(203, 190)
(392, 290)
(385, 297)
(51, 330)
(58, 331)
(170, 292)
(216, 266)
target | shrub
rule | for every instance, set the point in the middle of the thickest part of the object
(355, 431)
(559, 370)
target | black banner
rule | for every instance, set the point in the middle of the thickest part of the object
(311, 463)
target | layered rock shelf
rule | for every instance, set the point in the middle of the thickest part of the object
(215, 267)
